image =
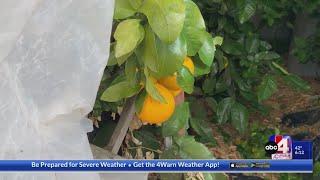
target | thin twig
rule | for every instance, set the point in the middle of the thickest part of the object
(157, 151)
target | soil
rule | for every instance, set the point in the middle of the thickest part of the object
(287, 100)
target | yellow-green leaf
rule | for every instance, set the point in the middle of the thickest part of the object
(128, 35)
(117, 91)
(151, 88)
(194, 29)
(161, 58)
(280, 68)
(166, 17)
(185, 80)
(206, 52)
(131, 70)
(136, 3)
(190, 149)
(296, 82)
(123, 9)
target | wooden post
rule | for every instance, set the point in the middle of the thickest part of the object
(99, 153)
(122, 127)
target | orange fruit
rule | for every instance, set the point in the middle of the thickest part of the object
(171, 83)
(189, 64)
(175, 92)
(155, 112)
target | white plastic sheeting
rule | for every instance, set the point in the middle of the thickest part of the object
(52, 56)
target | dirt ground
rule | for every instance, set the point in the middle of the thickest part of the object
(286, 100)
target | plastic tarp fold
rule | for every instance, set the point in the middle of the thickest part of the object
(52, 57)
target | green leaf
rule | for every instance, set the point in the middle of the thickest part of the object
(252, 44)
(202, 128)
(265, 46)
(209, 85)
(123, 9)
(246, 9)
(267, 55)
(253, 99)
(207, 176)
(267, 87)
(112, 59)
(302, 49)
(131, 70)
(148, 51)
(135, 3)
(185, 80)
(177, 121)
(148, 138)
(171, 153)
(221, 86)
(194, 29)
(239, 117)
(316, 169)
(218, 176)
(224, 109)
(166, 17)
(232, 47)
(242, 84)
(171, 176)
(197, 108)
(118, 79)
(296, 82)
(280, 68)
(211, 103)
(206, 52)
(123, 59)
(151, 88)
(199, 67)
(162, 59)
(215, 176)
(128, 35)
(119, 90)
(218, 40)
(140, 100)
(190, 149)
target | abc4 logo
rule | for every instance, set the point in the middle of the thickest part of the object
(271, 147)
(283, 146)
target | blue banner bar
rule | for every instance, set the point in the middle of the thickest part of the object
(253, 165)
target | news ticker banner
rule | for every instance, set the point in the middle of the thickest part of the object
(253, 165)
(286, 155)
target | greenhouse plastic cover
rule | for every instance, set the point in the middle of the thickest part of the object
(52, 57)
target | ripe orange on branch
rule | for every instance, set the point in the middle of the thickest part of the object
(155, 112)
(171, 83)
(189, 64)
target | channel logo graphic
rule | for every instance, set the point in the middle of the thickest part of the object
(279, 147)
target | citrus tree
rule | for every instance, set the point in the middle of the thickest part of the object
(152, 60)
(246, 68)
(162, 48)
